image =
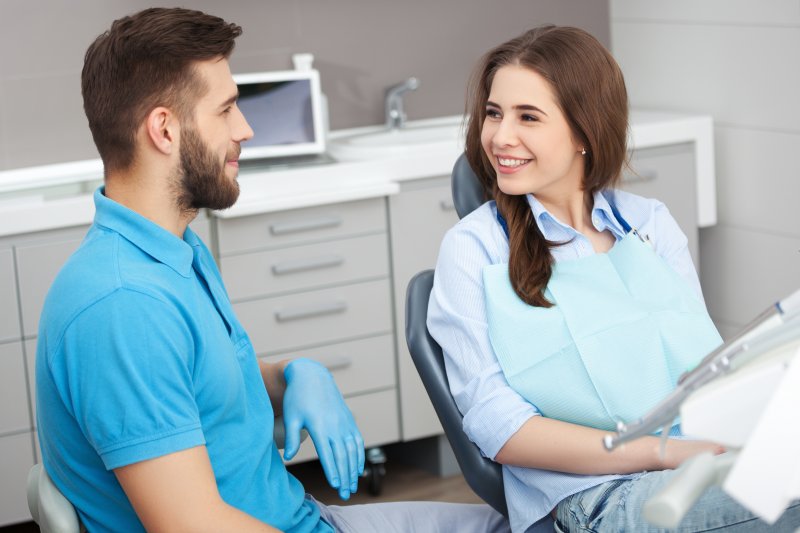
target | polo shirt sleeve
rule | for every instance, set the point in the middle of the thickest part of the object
(124, 369)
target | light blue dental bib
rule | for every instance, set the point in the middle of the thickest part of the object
(624, 327)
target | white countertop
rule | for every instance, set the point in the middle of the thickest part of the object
(287, 188)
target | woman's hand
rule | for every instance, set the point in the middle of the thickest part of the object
(678, 450)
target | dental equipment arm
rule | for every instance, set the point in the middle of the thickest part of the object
(782, 320)
(668, 506)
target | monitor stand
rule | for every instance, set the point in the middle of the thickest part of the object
(282, 163)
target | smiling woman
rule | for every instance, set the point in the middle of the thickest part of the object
(563, 305)
(555, 92)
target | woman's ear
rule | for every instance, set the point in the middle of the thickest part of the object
(162, 129)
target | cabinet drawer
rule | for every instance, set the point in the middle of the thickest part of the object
(17, 454)
(305, 267)
(299, 226)
(37, 267)
(14, 414)
(278, 324)
(357, 366)
(9, 314)
(376, 416)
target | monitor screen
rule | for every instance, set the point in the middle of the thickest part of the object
(282, 108)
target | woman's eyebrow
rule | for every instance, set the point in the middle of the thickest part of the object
(520, 107)
(528, 107)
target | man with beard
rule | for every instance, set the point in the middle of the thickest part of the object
(153, 410)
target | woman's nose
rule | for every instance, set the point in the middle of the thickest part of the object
(505, 134)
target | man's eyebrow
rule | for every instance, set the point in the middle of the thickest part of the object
(230, 100)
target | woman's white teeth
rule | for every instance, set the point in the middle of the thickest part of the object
(512, 162)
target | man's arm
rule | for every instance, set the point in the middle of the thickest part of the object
(178, 492)
(272, 374)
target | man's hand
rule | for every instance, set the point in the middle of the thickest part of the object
(313, 402)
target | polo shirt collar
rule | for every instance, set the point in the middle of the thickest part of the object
(145, 234)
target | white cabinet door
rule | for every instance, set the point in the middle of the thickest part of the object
(419, 216)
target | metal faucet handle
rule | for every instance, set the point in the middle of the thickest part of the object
(411, 84)
(395, 116)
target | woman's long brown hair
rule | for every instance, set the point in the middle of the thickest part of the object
(589, 88)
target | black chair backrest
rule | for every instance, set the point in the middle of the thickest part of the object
(484, 476)
(468, 192)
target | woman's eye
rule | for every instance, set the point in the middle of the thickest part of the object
(492, 113)
(529, 118)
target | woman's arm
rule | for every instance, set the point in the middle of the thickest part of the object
(554, 445)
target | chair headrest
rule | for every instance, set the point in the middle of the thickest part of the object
(468, 193)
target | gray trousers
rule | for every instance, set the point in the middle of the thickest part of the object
(411, 517)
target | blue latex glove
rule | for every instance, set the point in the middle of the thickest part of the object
(312, 401)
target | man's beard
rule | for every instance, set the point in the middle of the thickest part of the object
(201, 181)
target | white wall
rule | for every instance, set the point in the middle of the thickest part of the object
(739, 61)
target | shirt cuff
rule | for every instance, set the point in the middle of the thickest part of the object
(491, 422)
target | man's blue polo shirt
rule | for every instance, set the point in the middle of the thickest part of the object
(140, 355)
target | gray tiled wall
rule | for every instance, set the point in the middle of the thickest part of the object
(735, 60)
(361, 46)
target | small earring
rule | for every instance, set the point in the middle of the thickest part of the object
(583, 151)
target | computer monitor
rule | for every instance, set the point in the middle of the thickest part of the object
(285, 111)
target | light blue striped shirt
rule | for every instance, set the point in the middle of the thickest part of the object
(493, 411)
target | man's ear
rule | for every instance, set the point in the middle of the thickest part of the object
(162, 128)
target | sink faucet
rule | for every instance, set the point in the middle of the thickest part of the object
(395, 116)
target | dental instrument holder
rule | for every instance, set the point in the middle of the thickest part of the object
(668, 507)
(731, 355)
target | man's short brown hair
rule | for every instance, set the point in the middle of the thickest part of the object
(144, 61)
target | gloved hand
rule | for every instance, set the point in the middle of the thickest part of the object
(312, 401)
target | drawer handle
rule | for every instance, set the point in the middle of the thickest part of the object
(336, 362)
(310, 311)
(640, 177)
(447, 205)
(301, 265)
(306, 225)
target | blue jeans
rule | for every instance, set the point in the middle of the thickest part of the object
(616, 506)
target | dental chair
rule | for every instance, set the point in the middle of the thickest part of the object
(484, 476)
(53, 513)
